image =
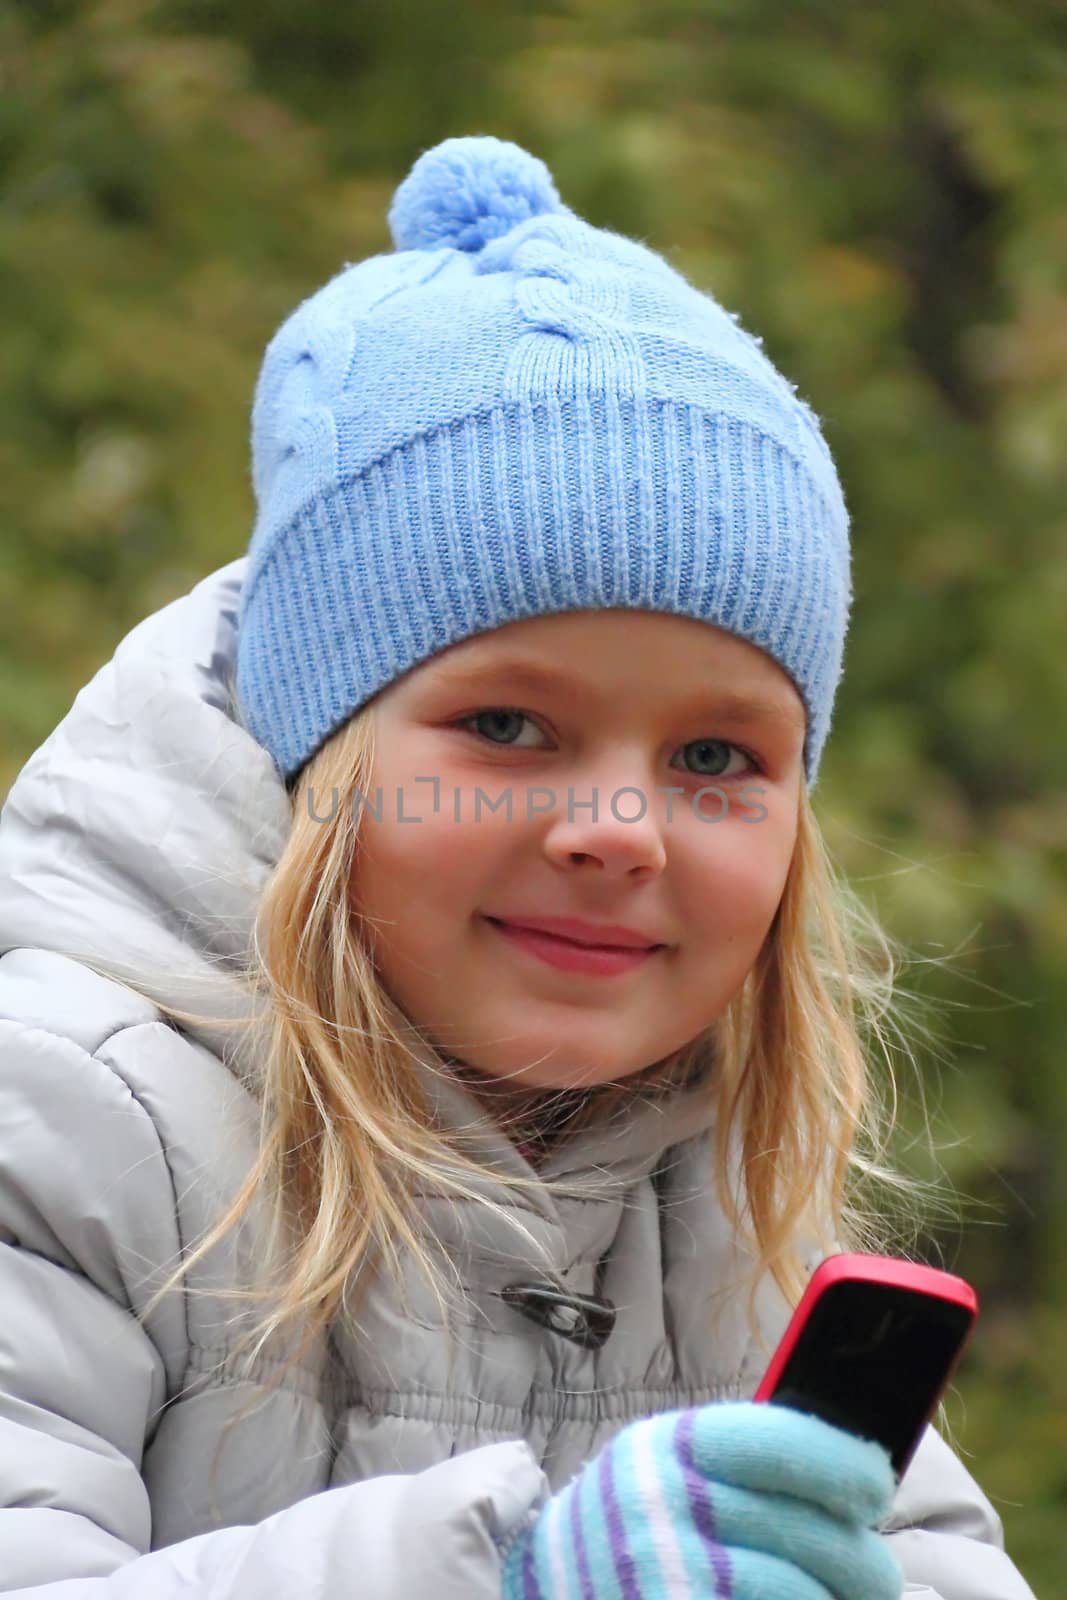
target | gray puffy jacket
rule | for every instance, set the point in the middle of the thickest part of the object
(390, 1463)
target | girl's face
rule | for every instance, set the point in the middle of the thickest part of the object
(525, 773)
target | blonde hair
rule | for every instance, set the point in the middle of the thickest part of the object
(801, 1071)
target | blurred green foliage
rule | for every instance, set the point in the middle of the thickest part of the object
(880, 194)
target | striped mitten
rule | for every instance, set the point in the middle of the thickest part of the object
(742, 1501)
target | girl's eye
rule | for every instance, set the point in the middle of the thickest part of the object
(713, 755)
(497, 715)
(716, 752)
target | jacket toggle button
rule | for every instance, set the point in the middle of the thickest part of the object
(579, 1318)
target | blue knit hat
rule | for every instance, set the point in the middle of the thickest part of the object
(514, 414)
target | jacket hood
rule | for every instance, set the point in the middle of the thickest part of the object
(138, 838)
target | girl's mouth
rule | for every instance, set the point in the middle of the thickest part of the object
(567, 956)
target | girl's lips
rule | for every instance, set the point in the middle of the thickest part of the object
(564, 954)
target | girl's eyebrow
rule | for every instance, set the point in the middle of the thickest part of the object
(728, 706)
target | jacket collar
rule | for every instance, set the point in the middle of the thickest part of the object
(614, 1151)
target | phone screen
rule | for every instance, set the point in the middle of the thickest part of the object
(874, 1359)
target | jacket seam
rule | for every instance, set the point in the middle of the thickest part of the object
(624, 1403)
(507, 1544)
(135, 1097)
(109, 1066)
(123, 1027)
(64, 1038)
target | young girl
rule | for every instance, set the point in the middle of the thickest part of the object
(442, 1252)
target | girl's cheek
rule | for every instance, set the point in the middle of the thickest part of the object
(727, 864)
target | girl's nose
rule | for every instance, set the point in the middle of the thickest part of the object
(622, 834)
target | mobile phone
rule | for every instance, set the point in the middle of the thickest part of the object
(871, 1348)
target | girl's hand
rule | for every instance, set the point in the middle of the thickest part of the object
(742, 1500)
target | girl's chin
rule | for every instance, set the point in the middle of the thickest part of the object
(536, 1077)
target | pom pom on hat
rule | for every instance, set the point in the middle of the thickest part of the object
(467, 191)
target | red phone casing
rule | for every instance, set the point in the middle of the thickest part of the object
(871, 1347)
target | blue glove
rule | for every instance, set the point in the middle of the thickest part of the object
(745, 1501)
